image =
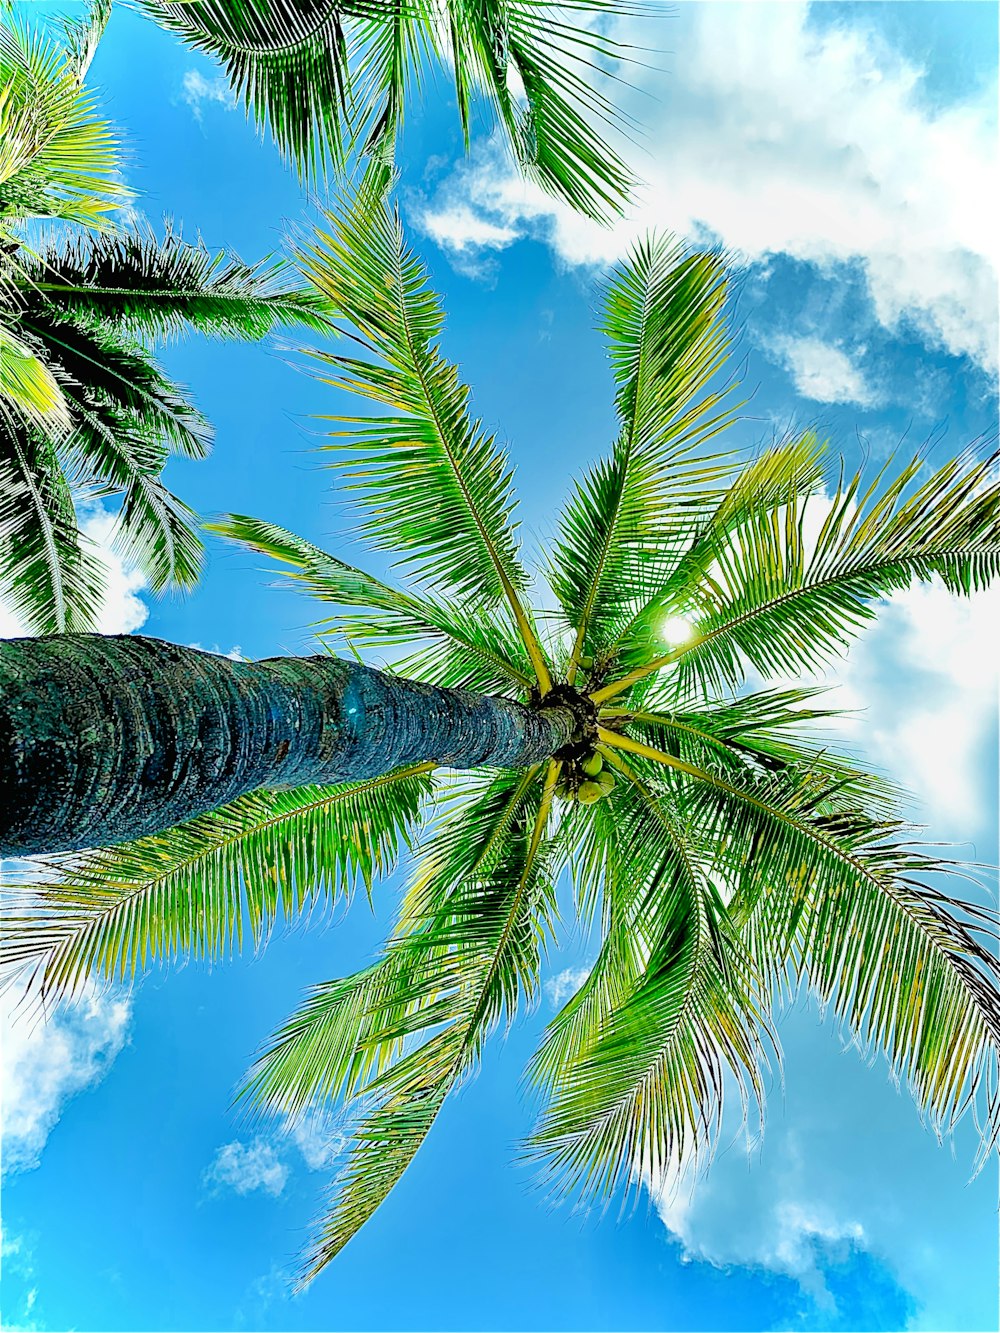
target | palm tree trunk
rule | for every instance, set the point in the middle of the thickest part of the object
(107, 738)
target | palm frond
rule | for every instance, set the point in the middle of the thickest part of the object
(468, 952)
(767, 483)
(328, 76)
(433, 484)
(194, 890)
(634, 1063)
(83, 34)
(466, 651)
(126, 415)
(141, 284)
(756, 733)
(550, 123)
(830, 888)
(786, 603)
(662, 313)
(910, 970)
(49, 577)
(288, 62)
(27, 386)
(58, 159)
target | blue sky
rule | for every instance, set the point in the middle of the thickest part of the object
(843, 152)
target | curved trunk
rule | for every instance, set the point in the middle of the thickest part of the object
(107, 738)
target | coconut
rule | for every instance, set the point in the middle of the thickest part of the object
(588, 793)
(606, 782)
(592, 765)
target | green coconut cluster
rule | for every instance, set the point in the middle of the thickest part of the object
(585, 779)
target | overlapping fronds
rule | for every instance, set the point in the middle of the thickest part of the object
(332, 76)
(662, 317)
(82, 312)
(634, 1064)
(28, 389)
(764, 485)
(466, 952)
(58, 158)
(49, 577)
(196, 889)
(825, 883)
(137, 282)
(466, 651)
(434, 485)
(286, 59)
(787, 600)
(125, 416)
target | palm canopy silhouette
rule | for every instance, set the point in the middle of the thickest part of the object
(84, 407)
(331, 78)
(721, 851)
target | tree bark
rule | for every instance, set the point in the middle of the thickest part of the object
(107, 738)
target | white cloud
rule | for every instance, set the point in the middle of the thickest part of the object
(564, 984)
(244, 1167)
(844, 1166)
(821, 371)
(197, 90)
(460, 229)
(17, 1259)
(46, 1062)
(781, 137)
(235, 653)
(318, 1140)
(788, 1234)
(122, 610)
(922, 686)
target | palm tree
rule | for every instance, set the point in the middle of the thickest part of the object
(724, 852)
(332, 78)
(83, 405)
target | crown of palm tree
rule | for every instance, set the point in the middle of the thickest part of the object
(723, 853)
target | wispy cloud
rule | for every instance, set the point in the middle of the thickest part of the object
(559, 988)
(822, 372)
(318, 1139)
(197, 90)
(18, 1264)
(245, 1167)
(263, 1164)
(45, 1062)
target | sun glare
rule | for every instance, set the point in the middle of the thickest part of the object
(676, 630)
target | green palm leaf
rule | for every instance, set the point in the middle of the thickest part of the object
(48, 575)
(196, 889)
(135, 282)
(467, 652)
(466, 951)
(787, 604)
(821, 881)
(58, 159)
(633, 1064)
(327, 76)
(27, 386)
(432, 482)
(661, 316)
